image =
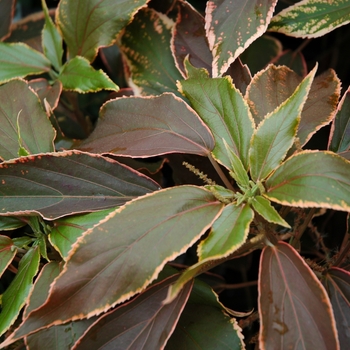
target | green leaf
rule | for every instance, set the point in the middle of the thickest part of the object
(143, 323)
(238, 172)
(292, 303)
(340, 131)
(144, 127)
(51, 40)
(337, 283)
(311, 18)
(56, 337)
(146, 46)
(10, 223)
(228, 233)
(223, 108)
(232, 26)
(19, 60)
(311, 179)
(275, 134)
(204, 324)
(69, 182)
(17, 293)
(78, 75)
(7, 10)
(261, 52)
(7, 253)
(189, 39)
(88, 25)
(20, 104)
(66, 231)
(263, 207)
(138, 240)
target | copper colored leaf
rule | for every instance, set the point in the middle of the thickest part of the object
(293, 304)
(232, 26)
(60, 337)
(7, 9)
(45, 91)
(337, 283)
(240, 74)
(7, 252)
(143, 323)
(58, 184)
(222, 107)
(204, 324)
(146, 46)
(340, 131)
(321, 105)
(17, 293)
(138, 240)
(21, 108)
(144, 127)
(189, 39)
(19, 60)
(311, 179)
(90, 24)
(294, 60)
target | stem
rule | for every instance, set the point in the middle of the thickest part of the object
(303, 227)
(220, 173)
(343, 254)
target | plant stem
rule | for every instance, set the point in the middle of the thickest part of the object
(300, 231)
(220, 173)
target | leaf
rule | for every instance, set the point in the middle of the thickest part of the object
(10, 223)
(45, 91)
(16, 294)
(56, 337)
(37, 133)
(269, 88)
(65, 183)
(51, 40)
(337, 283)
(146, 47)
(275, 134)
(145, 127)
(204, 324)
(292, 303)
(339, 140)
(7, 10)
(86, 26)
(232, 26)
(143, 323)
(78, 75)
(261, 52)
(240, 74)
(228, 233)
(311, 18)
(19, 60)
(223, 108)
(138, 240)
(311, 179)
(263, 207)
(189, 39)
(320, 107)
(7, 253)
(66, 231)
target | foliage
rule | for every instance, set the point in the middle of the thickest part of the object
(97, 241)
